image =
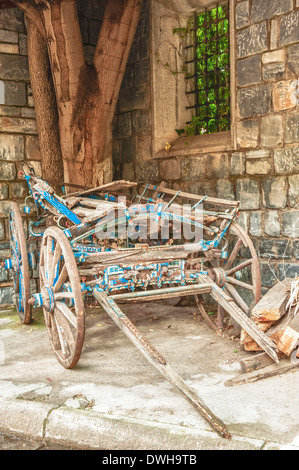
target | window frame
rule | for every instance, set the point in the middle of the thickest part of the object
(218, 141)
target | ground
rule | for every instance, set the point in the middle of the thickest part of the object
(115, 399)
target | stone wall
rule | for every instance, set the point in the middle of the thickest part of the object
(259, 163)
(133, 123)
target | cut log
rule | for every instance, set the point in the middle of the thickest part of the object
(257, 361)
(287, 338)
(248, 343)
(273, 305)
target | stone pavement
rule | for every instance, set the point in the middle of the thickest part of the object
(115, 400)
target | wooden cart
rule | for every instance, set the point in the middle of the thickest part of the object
(143, 254)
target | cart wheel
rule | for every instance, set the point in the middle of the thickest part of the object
(20, 265)
(62, 299)
(243, 275)
(239, 277)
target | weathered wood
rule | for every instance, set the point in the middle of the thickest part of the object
(248, 343)
(270, 371)
(211, 200)
(155, 358)
(204, 314)
(241, 318)
(287, 338)
(257, 361)
(273, 305)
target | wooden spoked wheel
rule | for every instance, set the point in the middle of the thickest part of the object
(62, 298)
(239, 274)
(20, 267)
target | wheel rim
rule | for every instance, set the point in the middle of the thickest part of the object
(63, 304)
(21, 276)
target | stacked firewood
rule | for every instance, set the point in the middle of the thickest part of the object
(277, 315)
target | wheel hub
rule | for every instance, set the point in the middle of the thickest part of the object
(48, 299)
(219, 276)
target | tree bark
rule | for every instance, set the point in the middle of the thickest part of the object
(45, 104)
(86, 95)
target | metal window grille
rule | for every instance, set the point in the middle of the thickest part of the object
(210, 71)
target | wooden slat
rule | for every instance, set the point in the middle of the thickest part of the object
(195, 197)
(273, 305)
(270, 371)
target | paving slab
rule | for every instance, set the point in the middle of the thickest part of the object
(115, 400)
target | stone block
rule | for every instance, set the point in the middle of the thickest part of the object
(242, 14)
(284, 95)
(128, 171)
(294, 190)
(225, 189)
(272, 224)
(7, 296)
(170, 169)
(249, 70)
(289, 29)
(286, 160)
(254, 101)
(273, 71)
(268, 274)
(252, 40)
(290, 224)
(124, 125)
(147, 171)
(275, 248)
(275, 191)
(194, 168)
(296, 249)
(7, 171)
(218, 166)
(292, 126)
(11, 147)
(256, 224)
(257, 154)
(141, 122)
(248, 194)
(9, 49)
(129, 149)
(247, 133)
(271, 130)
(12, 19)
(23, 44)
(14, 67)
(274, 34)
(264, 10)
(9, 36)
(18, 190)
(274, 56)
(237, 163)
(4, 193)
(18, 125)
(141, 73)
(258, 167)
(32, 150)
(290, 270)
(134, 98)
(293, 58)
(243, 221)
(14, 93)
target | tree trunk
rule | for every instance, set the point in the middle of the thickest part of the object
(86, 95)
(45, 104)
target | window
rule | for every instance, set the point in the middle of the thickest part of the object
(209, 70)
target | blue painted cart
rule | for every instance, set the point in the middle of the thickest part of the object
(127, 242)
